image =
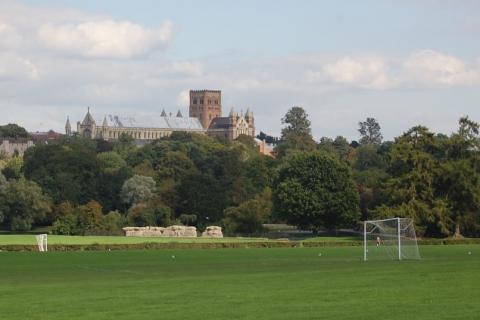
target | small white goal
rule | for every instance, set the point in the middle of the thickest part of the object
(42, 242)
(393, 238)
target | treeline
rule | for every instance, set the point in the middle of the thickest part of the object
(85, 186)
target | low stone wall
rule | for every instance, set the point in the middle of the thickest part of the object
(213, 232)
(172, 231)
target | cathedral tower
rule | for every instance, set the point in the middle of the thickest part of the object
(205, 105)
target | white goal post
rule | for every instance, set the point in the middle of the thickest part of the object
(42, 244)
(393, 238)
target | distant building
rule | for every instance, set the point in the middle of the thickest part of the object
(45, 137)
(206, 105)
(14, 146)
(141, 129)
(265, 148)
(205, 116)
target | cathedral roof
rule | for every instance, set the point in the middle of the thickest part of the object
(153, 122)
(220, 123)
(88, 120)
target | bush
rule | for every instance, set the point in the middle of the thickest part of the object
(250, 215)
(66, 225)
(89, 220)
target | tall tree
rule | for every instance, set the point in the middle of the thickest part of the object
(316, 190)
(459, 177)
(411, 189)
(297, 134)
(370, 131)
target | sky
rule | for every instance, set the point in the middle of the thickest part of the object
(404, 63)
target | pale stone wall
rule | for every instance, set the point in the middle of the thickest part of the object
(10, 147)
(172, 231)
(213, 232)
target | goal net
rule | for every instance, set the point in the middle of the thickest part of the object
(42, 242)
(390, 238)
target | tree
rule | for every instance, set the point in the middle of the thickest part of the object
(247, 141)
(296, 135)
(249, 216)
(203, 195)
(370, 132)
(13, 131)
(88, 219)
(13, 168)
(113, 173)
(111, 162)
(3, 194)
(459, 179)
(67, 170)
(315, 190)
(137, 189)
(23, 204)
(124, 145)
(153, 213)
(411, 188)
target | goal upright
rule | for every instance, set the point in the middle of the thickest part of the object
(392, 238)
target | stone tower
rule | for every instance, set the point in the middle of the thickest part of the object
(205, 105)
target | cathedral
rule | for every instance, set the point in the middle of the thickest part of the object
(205, 116)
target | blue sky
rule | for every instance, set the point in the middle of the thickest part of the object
(402, 62)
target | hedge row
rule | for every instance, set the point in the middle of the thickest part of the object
(152, 245)
(217, 245)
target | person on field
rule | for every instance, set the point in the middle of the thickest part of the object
(379, 241)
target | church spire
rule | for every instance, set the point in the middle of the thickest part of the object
(164, 114)
(88, 120)
(179, 114)
(68, 127)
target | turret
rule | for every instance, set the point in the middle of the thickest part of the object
(88, 126)
(249, 116)
(233, 117)
(179, 114)
(164, 114)
(68, 127)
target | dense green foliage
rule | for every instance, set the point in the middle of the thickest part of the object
(316, 190)
(198, 180)
(240, 284)
(13, 131)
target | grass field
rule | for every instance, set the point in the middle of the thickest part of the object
(256, 284)
(29, 239)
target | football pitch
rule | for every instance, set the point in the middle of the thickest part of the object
(288, 283)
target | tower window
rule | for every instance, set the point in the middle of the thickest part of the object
(201, 101)
(209, 101)
(195, 101)
(216, 101)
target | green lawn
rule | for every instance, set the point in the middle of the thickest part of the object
(295, 283)
(28, 239)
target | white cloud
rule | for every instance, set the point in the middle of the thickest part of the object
(12, 67)
(430, 67)
(104, 39)
(365, 72)
(9, 37)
